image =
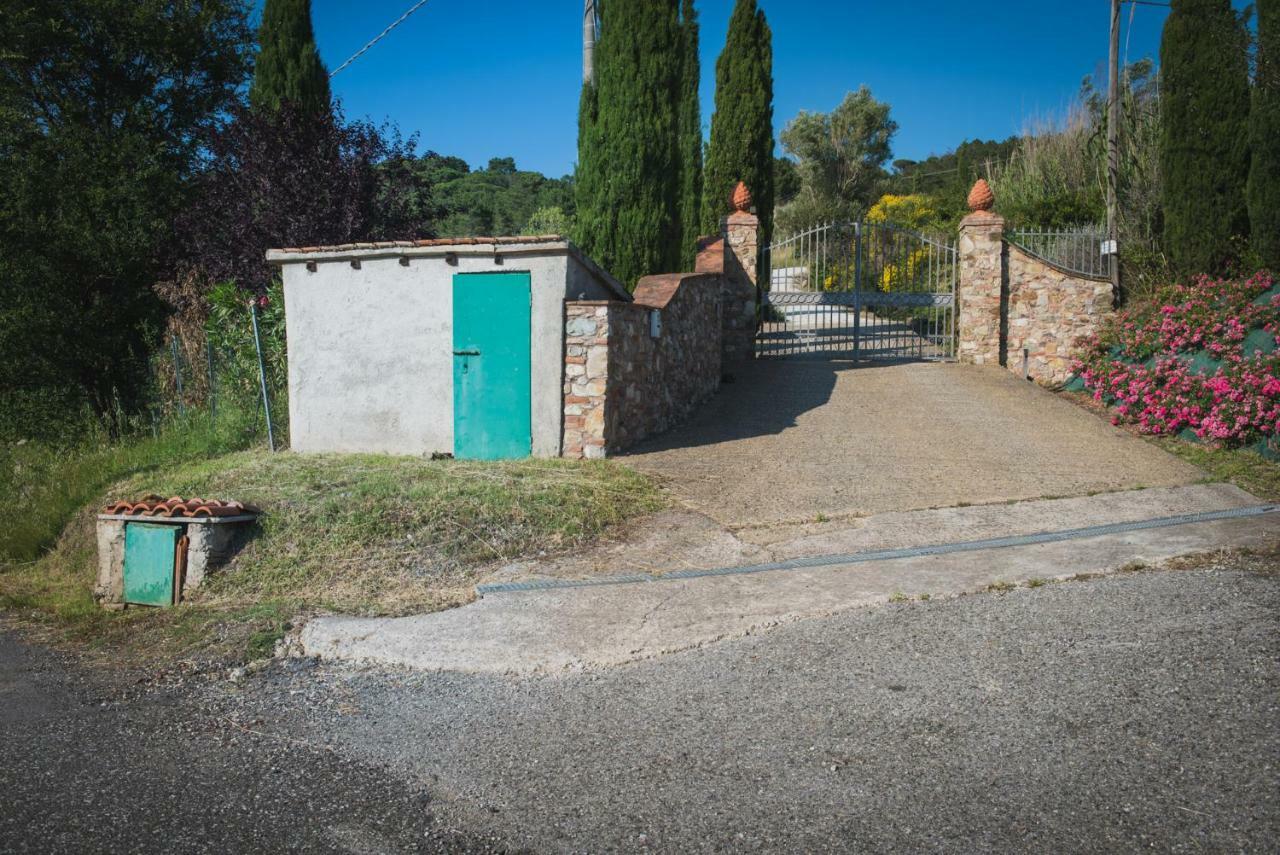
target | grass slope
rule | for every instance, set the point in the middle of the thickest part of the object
(360, 534)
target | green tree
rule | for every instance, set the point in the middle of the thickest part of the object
(689, 123)
(1204, 155)
(105, 109)
(741, 146)
(1264, 139)
(288, 68)
(628, 158)
(840, 157)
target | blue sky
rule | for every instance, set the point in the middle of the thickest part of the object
(491, 78)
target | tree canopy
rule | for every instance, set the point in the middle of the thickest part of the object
(741, 145)
(1204, 155)
(105, 108)
(840, 158)
(288, 69)
(628, 212)
(1264, 139)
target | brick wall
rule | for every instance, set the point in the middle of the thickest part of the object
(622, 383)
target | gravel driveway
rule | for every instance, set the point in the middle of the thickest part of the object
(1132, 712)
(792, 440)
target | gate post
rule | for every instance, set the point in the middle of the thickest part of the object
(741, 230)
(981, 257)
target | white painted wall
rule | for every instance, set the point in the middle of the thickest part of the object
(371, 349)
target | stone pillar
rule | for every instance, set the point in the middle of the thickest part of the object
(586, 377)
(741, 231)
(981, 280)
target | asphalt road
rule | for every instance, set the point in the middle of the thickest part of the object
(1135, 712)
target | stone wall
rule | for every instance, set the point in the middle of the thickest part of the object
(737, 291)
(1050, 314)
(1018, 310)
(978, 291)
(635, 369)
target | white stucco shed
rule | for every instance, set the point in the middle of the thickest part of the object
(375, 361)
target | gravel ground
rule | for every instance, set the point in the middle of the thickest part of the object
(1137, 711)
(90, 762)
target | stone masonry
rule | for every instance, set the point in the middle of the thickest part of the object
(1051, 316)
(1018, 310)
(635, 369)
(981, 252)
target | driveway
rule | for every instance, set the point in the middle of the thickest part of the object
(1132, 712)
(791, 441)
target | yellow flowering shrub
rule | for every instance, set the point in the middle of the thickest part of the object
(912, 211)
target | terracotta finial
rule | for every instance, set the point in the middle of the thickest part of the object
(741, 198)
(980, 197)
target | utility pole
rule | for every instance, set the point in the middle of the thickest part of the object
(1113, 148)
(590, 24)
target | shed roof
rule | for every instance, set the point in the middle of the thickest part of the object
(438, 247)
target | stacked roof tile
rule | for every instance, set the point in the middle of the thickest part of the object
(176, 506)
(426, 242)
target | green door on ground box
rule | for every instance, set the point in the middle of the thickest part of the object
(491, 397)
(149, 552)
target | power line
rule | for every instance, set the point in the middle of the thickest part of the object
(397, 22)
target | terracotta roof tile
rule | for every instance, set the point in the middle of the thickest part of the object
(449, 241)
(177, 507)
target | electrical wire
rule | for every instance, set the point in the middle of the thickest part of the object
(397, 22)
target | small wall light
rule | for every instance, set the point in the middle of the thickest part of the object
(404, 261)
(451, 258)
(355, 264)
(311, 267)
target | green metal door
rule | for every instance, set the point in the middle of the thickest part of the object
(491, 397)
(149, 552)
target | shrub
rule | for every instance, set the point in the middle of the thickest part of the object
(1199, 358)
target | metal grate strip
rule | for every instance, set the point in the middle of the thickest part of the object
(887, 554)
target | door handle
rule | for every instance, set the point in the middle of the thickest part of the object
(466, 353)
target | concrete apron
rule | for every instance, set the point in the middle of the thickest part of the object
(558, 629)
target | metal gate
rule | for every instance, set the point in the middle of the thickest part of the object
(858, 290)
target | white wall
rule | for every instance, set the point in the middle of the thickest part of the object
(371, 349)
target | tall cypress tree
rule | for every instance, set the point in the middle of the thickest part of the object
(1204, 152)
(742, 125)
(689, 120)
(628, 159)
(288, 68)
(1264, 139)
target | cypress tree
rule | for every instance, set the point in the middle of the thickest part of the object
(1204, 154)
(742, 125)
(689, 119)
(1264, 139)
(288, 68)
(628, 160)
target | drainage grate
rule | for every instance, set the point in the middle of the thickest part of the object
(888, 554)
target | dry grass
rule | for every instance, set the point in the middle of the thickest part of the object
(357, 534)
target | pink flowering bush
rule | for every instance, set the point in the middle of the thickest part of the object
(1150, 364)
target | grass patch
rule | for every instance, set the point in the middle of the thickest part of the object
(1247, 469)
(362, 534)
(43, 486)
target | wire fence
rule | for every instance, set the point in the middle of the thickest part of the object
(232, 369)
(1078, 250)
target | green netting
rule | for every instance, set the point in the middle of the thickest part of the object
(1075, 384)
(1267, 448)
(1258, 341)
(1200, 362)
(1263, 299)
